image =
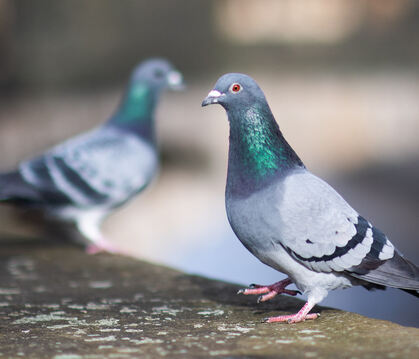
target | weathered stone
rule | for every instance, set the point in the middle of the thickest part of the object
(57, 302)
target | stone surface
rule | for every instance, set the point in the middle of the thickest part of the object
(57, 302)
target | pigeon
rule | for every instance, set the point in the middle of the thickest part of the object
(290, 219)
(83, 179)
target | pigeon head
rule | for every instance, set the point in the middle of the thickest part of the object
(235, 92)
(258, 153)
(157, 74)
(147, 82)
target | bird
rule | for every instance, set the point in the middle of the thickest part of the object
(292, 220)
(85, 178)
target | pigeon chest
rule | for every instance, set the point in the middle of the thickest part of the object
(250, 219)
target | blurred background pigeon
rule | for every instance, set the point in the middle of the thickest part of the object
(83, 179)
(290, 219)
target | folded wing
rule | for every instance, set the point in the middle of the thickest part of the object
(104, 166)
(319, 229)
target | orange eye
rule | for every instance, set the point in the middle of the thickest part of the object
(235, 88)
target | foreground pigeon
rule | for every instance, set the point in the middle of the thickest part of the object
(292, 220)
(83, 179)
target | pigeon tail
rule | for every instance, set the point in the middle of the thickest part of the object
(14, 189)
(412, 292)
(396, 272)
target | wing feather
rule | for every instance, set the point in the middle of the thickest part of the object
(103, 166)
(320, 230)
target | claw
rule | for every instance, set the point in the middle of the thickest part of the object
(240, 291)
(291, 292)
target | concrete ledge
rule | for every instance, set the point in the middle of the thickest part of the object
(57, 302)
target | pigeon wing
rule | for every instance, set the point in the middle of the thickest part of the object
(105, 166)
(320, 230)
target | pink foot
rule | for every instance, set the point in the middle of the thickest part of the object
(301, 316)
(102, 245)
(293, 318)
(270, 290)
(94, 249)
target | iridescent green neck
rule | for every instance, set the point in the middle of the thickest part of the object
(136, 111)
(258, 151)
(137, 105)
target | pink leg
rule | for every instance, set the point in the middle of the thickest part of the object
(271, 290)
(89, 229)
(301, 316)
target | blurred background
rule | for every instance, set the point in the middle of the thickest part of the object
(341, 76)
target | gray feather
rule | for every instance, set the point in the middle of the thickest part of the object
(104, 166)
(396, 272)
(14, 189)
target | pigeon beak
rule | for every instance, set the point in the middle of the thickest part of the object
(212, 98)
(175, 80)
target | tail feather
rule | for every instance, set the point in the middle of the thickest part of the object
(14, 189)
(396, 272)
(412, 292)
